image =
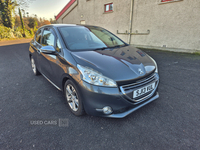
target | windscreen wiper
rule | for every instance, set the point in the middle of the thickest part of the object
(118, 46)
(101, 48)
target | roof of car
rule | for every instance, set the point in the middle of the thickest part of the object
(64, 25)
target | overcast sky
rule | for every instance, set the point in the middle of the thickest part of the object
(46, 8)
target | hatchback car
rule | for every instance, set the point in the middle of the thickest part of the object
(98, 72)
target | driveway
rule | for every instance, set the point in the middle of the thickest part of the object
(34, 115)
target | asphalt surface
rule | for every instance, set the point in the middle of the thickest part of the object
(171, 122)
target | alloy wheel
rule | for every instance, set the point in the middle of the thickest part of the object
(72, 97)
(33, 65)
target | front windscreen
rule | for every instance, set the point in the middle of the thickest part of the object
(88, 38)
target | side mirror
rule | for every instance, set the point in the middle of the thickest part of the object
(48, 50)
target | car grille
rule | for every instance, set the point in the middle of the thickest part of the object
(128, 89)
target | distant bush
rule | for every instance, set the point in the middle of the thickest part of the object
(14, 33)
(6, 32)
(18, 32)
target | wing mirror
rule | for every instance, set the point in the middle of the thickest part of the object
(48, 50)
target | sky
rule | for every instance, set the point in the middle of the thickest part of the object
(46, 8)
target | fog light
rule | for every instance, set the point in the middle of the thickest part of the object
(107, 110)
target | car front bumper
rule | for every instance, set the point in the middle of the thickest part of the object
(95, 98)
(124, 114)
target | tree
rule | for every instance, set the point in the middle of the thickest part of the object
(31, 21)
(46, 22)
(17, 21)
(52, 21)
(43, 22)
(7, 8)
(35, 25)
(22, 22)
(0, 20)
(24, 4)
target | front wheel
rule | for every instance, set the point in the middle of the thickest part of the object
(34, 67)
(73, 98)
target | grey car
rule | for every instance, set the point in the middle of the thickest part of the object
(99, 74)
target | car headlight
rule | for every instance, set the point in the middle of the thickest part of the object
(93, 77)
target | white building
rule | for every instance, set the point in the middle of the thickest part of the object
(158, 24)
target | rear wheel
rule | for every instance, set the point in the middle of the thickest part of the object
(34, 67)
(73, 98)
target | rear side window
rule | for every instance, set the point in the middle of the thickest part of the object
(48, 38)
(38, 36)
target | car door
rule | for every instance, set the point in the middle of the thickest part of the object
(36, 46)
(52, 64)
(59, 65)
(48, 39)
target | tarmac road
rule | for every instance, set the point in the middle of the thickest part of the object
(34, 115)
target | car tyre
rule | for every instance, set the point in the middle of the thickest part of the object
(73, 98)
(34, 67)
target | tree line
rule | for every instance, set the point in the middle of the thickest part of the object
(15, 23)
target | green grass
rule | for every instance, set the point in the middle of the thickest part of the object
(196, 53)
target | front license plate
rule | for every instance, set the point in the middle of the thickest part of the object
(143, 90)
